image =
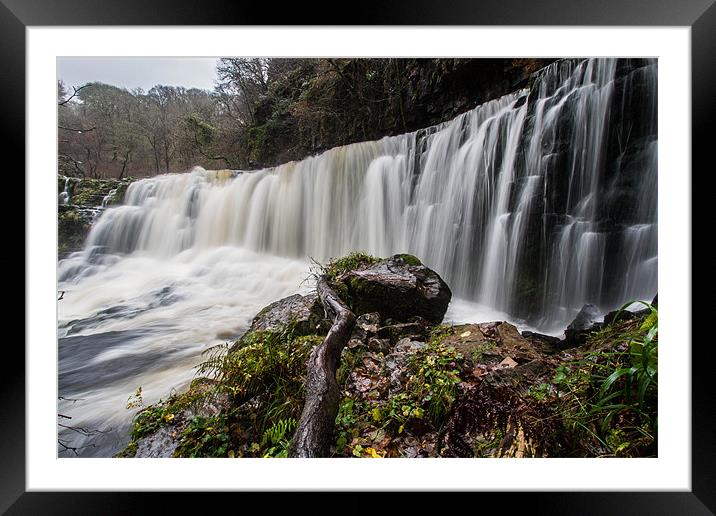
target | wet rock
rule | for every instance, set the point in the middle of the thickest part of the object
(72, 228)
(209, 406)
(520, 377)
(366, 327)
(379, 345)
(546, 344)
(490, 343)
(304, 312)
(624, 315)
(416, 330)
(408, 346)
(399, 288)
(369, 322)
(586, 321)
(472, 343)
(160, 444)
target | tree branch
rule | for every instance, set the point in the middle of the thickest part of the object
(315, 429)
(74, 94)
(80, 130)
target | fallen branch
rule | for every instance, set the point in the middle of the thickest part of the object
(314, 433)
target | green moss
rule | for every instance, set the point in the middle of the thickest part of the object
(91, 192)
(409, 259)
(71, 230)
(118, 196)
(351, 262)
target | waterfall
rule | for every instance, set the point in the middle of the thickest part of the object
(529, 206)
(533, 204)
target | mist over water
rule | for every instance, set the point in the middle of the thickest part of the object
(521, 205)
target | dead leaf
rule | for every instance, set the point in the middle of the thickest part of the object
(508, 363)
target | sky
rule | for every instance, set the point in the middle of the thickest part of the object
(138, 72)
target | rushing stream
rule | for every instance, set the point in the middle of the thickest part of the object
(529, 206)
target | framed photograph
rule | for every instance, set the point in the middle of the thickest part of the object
(433, 236)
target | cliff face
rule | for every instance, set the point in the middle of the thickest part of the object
(326, 103)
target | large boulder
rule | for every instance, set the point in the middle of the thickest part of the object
(400, 288)
(305, 313)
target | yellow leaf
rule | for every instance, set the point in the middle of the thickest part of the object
(400, 429)
(373, 453)
(169, 418)
(231, 454)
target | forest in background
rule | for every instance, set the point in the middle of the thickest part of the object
(266, 111)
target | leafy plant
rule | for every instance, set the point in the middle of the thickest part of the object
(611, 395)
(277, 438)
(205, 437)
(430, 391)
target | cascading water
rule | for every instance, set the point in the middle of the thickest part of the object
(529, 206)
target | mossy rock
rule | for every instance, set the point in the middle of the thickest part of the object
(72, 229)
(92, 192)
(399, 288)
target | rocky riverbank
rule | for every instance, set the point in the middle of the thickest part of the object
(81, 200)
(413, 387)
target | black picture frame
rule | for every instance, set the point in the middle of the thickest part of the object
(699, 15)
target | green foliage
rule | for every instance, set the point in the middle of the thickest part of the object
(266, 368)
(346, 424)
(610, 397)
(205, 437)
(540, 392)
(422, 406)
(350, 262)
(151, 419)
(350, 358)
(434, 373)
(202, 131)
(256, 139)
(270, 367)
(439, 332)
(72, 230)
(277, 438)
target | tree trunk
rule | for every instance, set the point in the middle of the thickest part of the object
(124, 164)
(315, 429)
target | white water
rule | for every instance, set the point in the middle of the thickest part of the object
(190, 258)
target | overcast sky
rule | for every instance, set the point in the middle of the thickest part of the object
(138, 72)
